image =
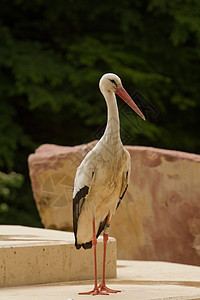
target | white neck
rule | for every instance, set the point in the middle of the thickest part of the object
(112, 131)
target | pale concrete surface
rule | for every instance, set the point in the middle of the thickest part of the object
(137, 280)
(34, 255)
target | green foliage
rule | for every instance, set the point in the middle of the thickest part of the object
(52, 54)
(8, 182)
(8, 185)
(14, 208)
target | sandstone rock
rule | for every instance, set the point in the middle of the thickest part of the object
(159, 218)
(52, 171)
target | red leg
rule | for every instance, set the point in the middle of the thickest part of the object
(102, 286)
(96, 290)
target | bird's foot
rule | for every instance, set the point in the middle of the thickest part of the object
(102, 287)
(95, 291)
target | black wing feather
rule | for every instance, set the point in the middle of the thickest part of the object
(77, 205)
(103, 223)
(122, 196)
(101, 226)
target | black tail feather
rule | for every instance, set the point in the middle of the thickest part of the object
(86, 246)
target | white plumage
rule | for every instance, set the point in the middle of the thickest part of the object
(103, 176)
(105, 171)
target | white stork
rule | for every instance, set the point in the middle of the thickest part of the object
(102, 179)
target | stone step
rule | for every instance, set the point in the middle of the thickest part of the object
(137, 280)
(37, 256)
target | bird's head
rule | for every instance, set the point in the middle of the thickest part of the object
(111, 83)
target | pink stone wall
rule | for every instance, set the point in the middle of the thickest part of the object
(159, 218)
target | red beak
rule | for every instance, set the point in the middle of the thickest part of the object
(122, 93)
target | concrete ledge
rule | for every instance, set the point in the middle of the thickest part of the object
(137, 280)
(34, 256)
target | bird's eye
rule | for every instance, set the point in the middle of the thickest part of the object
(113, 81)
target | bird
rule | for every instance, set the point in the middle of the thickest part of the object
(102, 179)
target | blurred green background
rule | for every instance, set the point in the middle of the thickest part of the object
(52, 55)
